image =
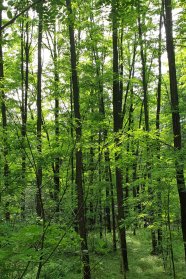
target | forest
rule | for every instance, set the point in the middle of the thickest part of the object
(92, 129)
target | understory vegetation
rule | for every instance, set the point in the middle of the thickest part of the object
(105, 263)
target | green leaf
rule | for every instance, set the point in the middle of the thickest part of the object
(9, 14)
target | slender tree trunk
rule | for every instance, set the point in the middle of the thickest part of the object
(78, 152)
(158, 111)
(25, 53)
(180, 179)
(117, 115)
(56, 115)
(113, 211)
(100, 190)
(4, 119)
(39, 171)
(144, 76)
(91, 203)
(131, 75)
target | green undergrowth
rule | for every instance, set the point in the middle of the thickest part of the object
(105, 263)
(65, 263)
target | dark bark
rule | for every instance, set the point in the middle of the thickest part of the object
(72, 154)
(113, 211)
(131, 74)
(91, 203)
(4, 119)
(158, 111)
(100, 190)
(180, 179)
(25, 54)
(56, 115)
(78, 152)
(39, 171)
(144, 76)
(117, 115)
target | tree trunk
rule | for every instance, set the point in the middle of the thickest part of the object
(78, 152)
(158, 111)
(56, 115)
(39, 171)
(180, 179)
(117, 115)
(25, 53)
(4, 119)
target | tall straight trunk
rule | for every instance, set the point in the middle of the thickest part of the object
(144, 76)
(117, 115)
(39, 170)
(78, 151)
(158, 111)
(100, 191)
(180, 179)
(91, 203)
(56, 115)
(131, 75)
(4, 118)
(72, 137)
(114, 244)
(120, 63)
(25, 53)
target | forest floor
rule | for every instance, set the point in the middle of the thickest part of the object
(105, 264)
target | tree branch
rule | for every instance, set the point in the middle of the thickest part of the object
(18, 15)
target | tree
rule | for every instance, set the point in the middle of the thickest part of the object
(180, 179)
(78, 152)
(39, 172)
(4, 117)
(117, 116)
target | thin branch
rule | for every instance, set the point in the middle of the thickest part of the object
(18, 15)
